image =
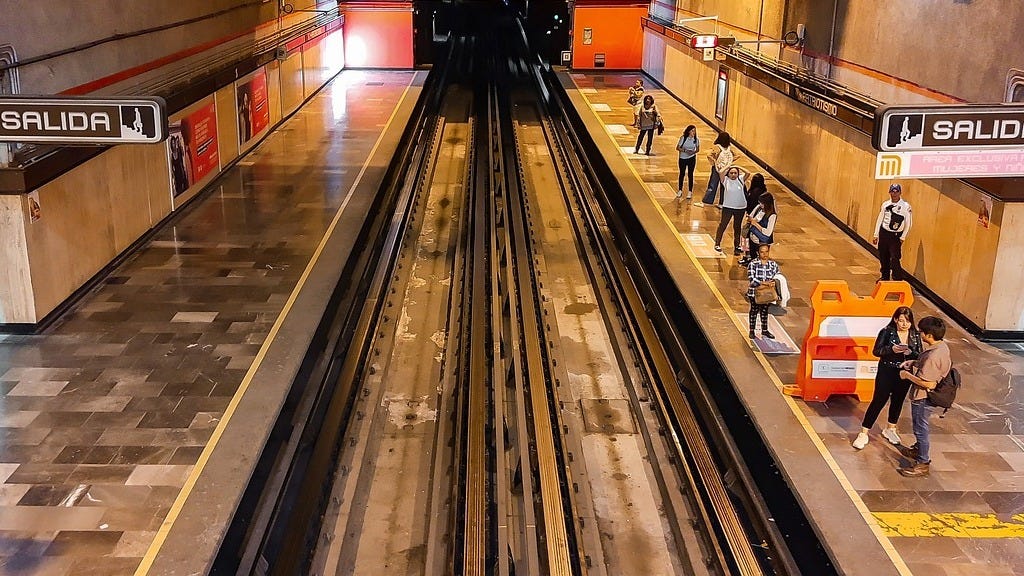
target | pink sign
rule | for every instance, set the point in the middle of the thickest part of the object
(965, 164)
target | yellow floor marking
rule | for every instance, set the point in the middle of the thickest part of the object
(186, 490)
(922, 524)
(897, 560)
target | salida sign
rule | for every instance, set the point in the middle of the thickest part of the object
(72, 120)
(955, 127)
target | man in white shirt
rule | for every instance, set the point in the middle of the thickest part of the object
(891, 230)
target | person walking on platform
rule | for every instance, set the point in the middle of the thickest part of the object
(898, 342)
(636, 100)
(762, 270)
(688, 146)
(760, 225)
(721, 158)
(650, 119)
(924, 373)
(734, 202)
(891, 230)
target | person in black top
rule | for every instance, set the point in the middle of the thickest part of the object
(898, 342)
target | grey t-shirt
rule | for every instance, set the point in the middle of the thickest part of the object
(933, 365)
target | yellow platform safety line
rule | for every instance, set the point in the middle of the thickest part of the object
(890, 550)
(952, 525)
(204, 457)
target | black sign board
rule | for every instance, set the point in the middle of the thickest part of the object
(953, 127)
(76, 120)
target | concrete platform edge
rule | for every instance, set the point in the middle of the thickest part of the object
(843, 529)
(193, 538)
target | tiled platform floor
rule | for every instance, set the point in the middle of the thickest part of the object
(103, 416)
(977, 449)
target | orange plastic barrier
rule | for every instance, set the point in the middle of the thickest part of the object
(836, 357)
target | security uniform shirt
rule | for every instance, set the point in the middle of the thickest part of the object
(894, 218)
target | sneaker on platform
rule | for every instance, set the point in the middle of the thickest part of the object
(861, 441)
(679, 194)
(698, 203)
(891, 435)
(767, 334)
(718, 248)
(689, 195)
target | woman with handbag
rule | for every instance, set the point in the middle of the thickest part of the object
(721, 158)
(650, 119)
(635, 99)
(898, 342)
(761, 292)
(762, 225)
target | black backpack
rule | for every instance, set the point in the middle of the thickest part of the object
(944, 393)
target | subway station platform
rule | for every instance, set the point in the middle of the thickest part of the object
(967, 517)
(111, 418)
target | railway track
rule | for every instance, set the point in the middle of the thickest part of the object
(502, 402)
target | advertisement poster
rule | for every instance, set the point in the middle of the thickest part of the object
(985, 212)
(253, 107)
(35, 211)
(192, 147)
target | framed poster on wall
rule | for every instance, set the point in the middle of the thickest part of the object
(192, 150)
(722, 94)
(252, 107)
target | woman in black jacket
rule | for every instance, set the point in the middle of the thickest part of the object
(897, 342)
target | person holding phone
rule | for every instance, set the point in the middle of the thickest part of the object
(898, 342)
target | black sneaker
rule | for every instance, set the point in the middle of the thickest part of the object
(767, 334)
(737, 251)
(752, 335)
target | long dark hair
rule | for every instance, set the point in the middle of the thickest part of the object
(757, 184)
(724, 140)
(903, 311)
(648, 101)
(768, 201)
(688, 129)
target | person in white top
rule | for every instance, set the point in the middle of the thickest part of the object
(734, 206)
(891, 229)
(762, 225)
(721, 157)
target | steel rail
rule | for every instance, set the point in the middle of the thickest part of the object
(561, 556)
(475, 527)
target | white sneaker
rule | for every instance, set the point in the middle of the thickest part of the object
(689, 195)
(861, 441)
(679, 194)
(698, 204)
(891, 435)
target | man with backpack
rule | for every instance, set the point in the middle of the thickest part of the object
(926, 373)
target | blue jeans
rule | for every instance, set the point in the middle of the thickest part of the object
(713, 184)
(920, 411)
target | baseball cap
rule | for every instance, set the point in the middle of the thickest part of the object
(895, 188)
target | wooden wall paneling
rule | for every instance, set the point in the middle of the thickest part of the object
(74, 239)
(274, 91)
(1006, 299)
(130, 182)
(291, 82)
(227, 125)
(312, 58)
(17, 304)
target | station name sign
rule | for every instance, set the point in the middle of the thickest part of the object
(73, 120)
(953, 127)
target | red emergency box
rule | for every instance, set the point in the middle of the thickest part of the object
(836, 357)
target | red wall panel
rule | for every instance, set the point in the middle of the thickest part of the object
(616, 33)
(378, 37)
